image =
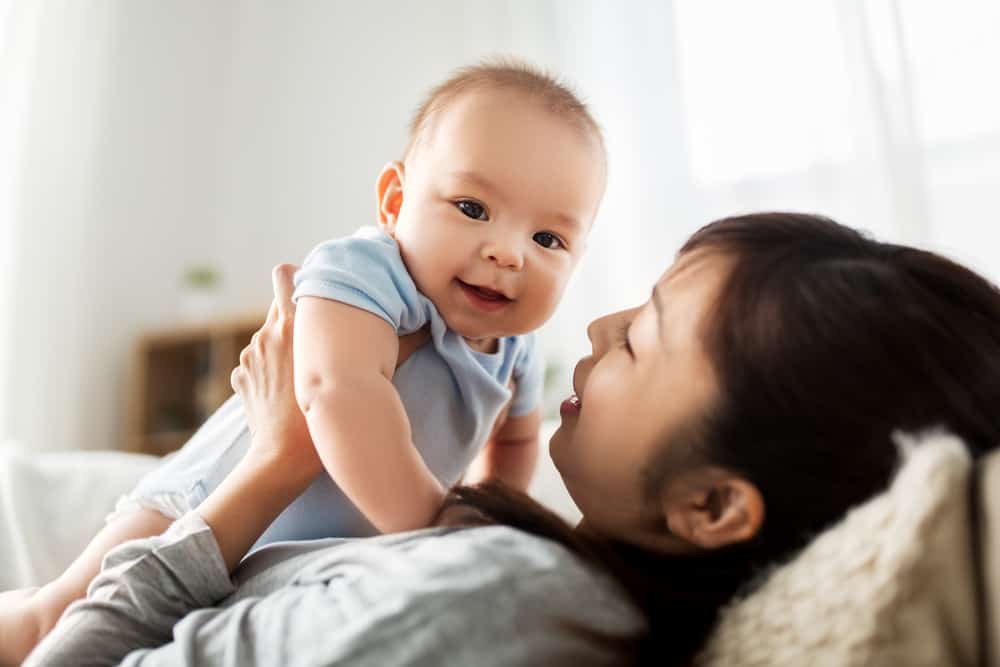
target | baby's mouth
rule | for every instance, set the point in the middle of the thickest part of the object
(485, 292)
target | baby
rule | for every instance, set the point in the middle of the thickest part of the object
(414, 351)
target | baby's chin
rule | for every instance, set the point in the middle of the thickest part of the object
(480, 338)
(475, 334)
(486, 330)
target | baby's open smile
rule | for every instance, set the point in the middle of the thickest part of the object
(484, 298)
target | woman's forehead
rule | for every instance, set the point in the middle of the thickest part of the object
(694, 267)
(685, 296)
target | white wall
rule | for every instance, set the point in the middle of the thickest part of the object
(318, 99)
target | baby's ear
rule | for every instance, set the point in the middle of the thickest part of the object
(389, 196)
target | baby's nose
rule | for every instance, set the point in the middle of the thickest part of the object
(506, 254)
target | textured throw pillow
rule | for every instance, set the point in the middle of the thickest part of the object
(890, 585)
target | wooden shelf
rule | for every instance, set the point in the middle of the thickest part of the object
(161, 443)
(180, 376)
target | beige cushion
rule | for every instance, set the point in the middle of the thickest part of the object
(989, 503)
(891, 584)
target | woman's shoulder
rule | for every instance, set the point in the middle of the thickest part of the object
(532, 569)
(489, 595)
(516, 597)
(459, 559)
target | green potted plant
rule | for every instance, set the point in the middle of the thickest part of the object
(200, 292)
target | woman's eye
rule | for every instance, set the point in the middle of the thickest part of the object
(471, 209)
(623, 337)
(547, 240)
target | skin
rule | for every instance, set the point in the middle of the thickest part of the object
(498, 194)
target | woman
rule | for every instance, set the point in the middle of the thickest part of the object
(747, 405)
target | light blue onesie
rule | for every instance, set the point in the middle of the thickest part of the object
(452, 395)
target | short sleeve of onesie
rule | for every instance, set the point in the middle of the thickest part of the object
(366, 271)
(529, 378)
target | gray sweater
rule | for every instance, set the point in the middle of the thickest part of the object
(441, 596)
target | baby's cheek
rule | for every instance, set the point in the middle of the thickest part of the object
(556, 287)
(543, 303)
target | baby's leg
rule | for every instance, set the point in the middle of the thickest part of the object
(27, 615)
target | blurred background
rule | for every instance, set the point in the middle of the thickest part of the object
(157, 157)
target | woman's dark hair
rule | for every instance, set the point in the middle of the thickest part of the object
(824, 343)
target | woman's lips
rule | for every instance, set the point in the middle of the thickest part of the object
(483, 298)
(570, 407)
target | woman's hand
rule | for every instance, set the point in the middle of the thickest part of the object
(265, 381)
(281, 461)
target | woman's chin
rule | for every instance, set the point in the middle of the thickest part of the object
(558, 442)
(558, 434)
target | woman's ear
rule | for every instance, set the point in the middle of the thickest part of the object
(389, 196)
(714, 511)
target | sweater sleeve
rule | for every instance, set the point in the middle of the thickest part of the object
(144, 587)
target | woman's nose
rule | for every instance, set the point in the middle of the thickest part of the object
(599, 332)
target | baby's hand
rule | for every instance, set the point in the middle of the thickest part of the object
(266, 383)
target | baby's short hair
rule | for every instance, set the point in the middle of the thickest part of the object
(508, 74)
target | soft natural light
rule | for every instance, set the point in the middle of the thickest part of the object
(765, 88)
(956, 58)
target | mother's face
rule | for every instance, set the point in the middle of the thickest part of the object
(647, 380)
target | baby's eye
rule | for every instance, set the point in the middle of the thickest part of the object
(547, 240)
(472, 209)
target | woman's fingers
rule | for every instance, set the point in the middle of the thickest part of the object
(236, 379)
(272, 314)
(253, 368)
(281, 279)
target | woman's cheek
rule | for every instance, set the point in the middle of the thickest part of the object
(602, 384)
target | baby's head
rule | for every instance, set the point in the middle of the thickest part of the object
(494, 199)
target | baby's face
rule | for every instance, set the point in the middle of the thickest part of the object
(496, 205)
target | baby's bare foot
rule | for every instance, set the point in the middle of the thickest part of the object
(20, 626)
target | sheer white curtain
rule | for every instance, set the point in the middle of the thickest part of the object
(52, 69)
(883, 114)
(879, 113)
(18, 23)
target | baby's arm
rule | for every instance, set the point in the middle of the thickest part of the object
(511, 452)
(344, 362)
